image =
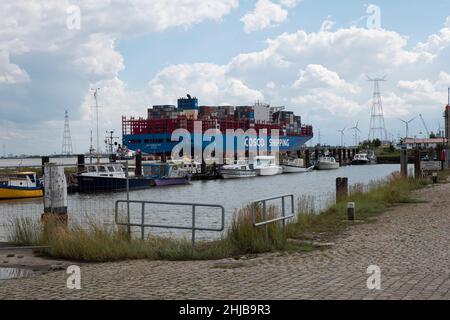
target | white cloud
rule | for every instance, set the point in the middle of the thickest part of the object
(209, 81)
(11, 73)
(97, 56)
(322, 100)
(265, 15)
(317, 76)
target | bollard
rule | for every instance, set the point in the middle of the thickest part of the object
(341, 189)
(44, 161)
(307, 158)
(138, 165)
(435, 178)
(81, 163)
(417, 171)
(351, 211)
(55, 196)
(404, 163)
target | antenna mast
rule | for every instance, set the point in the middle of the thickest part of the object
(96, 110)
(67, 139)
(377, 124)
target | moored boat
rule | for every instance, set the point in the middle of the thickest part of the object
(109, 177)
(295, 166)
(266, 166)
(327, 163)
(164, 174)
(360, 159)
(241, 169)
(20, 185)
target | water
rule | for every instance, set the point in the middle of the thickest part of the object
(232, 194)
(14, 273)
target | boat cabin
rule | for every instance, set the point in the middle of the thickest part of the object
(20, 179)
(104, 170)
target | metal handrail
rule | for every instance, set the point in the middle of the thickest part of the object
(266, 222)
(143, 225)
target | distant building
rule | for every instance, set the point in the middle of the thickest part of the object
(412, 143)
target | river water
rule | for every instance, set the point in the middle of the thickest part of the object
(231, 194)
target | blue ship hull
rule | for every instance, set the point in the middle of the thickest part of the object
(161, 143)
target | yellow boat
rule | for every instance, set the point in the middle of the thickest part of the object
(20, 185)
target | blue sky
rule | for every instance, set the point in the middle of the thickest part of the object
(223, 51)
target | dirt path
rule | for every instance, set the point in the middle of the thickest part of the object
(410, 244)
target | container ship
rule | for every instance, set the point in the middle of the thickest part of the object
(153, 135)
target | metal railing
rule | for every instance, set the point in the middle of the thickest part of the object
(143, 225)
(266, 222)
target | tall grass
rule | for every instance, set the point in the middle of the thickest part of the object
(245, 238)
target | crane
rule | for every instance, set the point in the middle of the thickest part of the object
(424, 125)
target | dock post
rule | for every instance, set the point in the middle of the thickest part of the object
(55, 196)
(317, 154)
(351, 211)
(344, 155)
(341, 189)
(307, 158)
(138, 164)
(349, 154)
(404, 163)
(340, 156)
(417, 171)
(80, 163)
(44, 161)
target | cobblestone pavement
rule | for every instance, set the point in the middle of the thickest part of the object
(409, 243)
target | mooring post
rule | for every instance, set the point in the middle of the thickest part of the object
(80, 163)
(44, 161)
(417, 171)
(307, 158)
(435, 177)
(340, 156)
(138, 164)
(55, 196)
(351, 211)
(341, 189)
(404, 163)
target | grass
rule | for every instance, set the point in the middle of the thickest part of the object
(98, 243)
(379, 197)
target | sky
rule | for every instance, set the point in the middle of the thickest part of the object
(311, 56)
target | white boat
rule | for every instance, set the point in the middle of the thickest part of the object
(295, 166)
(266, 166)
(327, 163)
(241, 169)
(360, 159)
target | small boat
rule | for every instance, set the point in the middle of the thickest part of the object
(165, 174)
(20, 185)
(109, 177)
(241, 169)
(266, 166)
(360, 159)
(327, 163)
(295, 166)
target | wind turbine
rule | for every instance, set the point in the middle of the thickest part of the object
(356, 129)
(342, 135)
(407, 125)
